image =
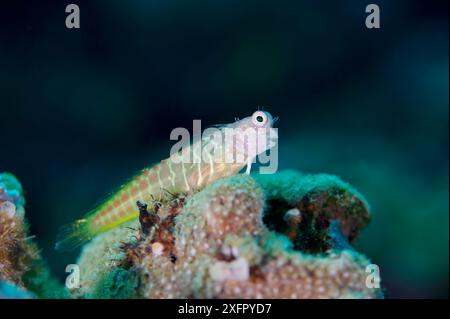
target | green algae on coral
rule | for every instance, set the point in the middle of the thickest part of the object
(320, 199)
(99, 258)
(120, 283)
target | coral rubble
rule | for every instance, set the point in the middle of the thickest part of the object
(285, 235)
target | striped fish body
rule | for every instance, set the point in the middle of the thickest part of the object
(154, 183)
(169, 176)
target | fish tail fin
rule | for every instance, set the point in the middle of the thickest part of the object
(74, 235)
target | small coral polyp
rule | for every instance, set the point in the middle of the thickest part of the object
(286, 235)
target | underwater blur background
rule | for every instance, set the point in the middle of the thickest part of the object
(83, 109)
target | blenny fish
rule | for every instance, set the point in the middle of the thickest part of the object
(175, 176)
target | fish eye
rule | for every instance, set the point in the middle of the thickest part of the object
(259, 118)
